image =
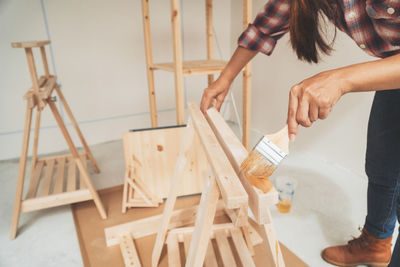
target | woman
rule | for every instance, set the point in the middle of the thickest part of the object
(375, 26)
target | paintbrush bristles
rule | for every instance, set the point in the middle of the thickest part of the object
(267, 154)
(257, 165)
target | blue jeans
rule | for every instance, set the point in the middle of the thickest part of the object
(383, 168)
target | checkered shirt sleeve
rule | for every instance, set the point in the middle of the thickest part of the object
(271, 23)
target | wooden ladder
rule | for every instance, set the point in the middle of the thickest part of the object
(69, 185)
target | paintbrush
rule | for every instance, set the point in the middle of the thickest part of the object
(265, 157)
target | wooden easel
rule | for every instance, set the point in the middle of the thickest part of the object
(46, 168)
(224, 181)
(180, 68)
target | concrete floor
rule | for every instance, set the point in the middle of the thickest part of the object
(329, 205)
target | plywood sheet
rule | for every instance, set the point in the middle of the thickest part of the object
(151, 156)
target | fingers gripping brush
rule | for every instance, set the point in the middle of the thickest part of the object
(265, 157)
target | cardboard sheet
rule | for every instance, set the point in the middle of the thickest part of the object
(90, 231)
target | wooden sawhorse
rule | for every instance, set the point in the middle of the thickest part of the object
(227, 192)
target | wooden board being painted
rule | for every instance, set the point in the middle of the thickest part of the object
(150, 157)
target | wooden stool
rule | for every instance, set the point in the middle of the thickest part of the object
(180, 68)
(57, 166)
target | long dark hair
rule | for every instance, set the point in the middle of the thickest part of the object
(306, 32)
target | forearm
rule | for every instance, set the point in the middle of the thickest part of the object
(383, 74)
(239, 59)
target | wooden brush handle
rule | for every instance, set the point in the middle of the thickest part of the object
(281, 139)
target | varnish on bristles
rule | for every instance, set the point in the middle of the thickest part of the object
(267, 154)
(257, 165)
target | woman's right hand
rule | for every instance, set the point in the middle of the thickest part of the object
(218, 91)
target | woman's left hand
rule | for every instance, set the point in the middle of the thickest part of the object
(313, 99)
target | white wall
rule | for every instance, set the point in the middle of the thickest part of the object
(340, 139)
(99, 57)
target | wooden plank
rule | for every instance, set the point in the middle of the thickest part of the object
(35, 141)
(44, 60)
(125, 191)
(187, 237)
(241, 248)
(209, 35)
(169, 205)
(35, 179)
(174, 258)
(149, 62)
(139, 203)
(246, 99)
(271, 244)
(194, 67)
(148, 226)
(128, 250)
(21, 171)
(82, 184)
(253, 235)
(59, 179)
(45, 189)
(57, 157)
(225, 249)
(238, 216)
(231, 189)
(71, 181)
(29, 44)
(203, 225)
(247, 238)
(32, 69)
(177, 58)
(258, 201)
(55, 200)
(210, 259)
(214, 228)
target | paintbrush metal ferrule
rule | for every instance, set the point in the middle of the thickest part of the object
(270, 151)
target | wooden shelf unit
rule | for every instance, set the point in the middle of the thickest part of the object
(180, 68)
(194, 67)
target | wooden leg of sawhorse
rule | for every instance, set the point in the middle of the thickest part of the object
(78, 131)
(203, 225)
(21, 172)
(78, 161)
(273, 242)
(173, 192)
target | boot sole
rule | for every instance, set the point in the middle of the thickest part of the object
(371, 264)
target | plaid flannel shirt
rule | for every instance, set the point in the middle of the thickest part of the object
(373, 24)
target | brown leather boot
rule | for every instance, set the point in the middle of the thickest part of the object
(366, 249)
